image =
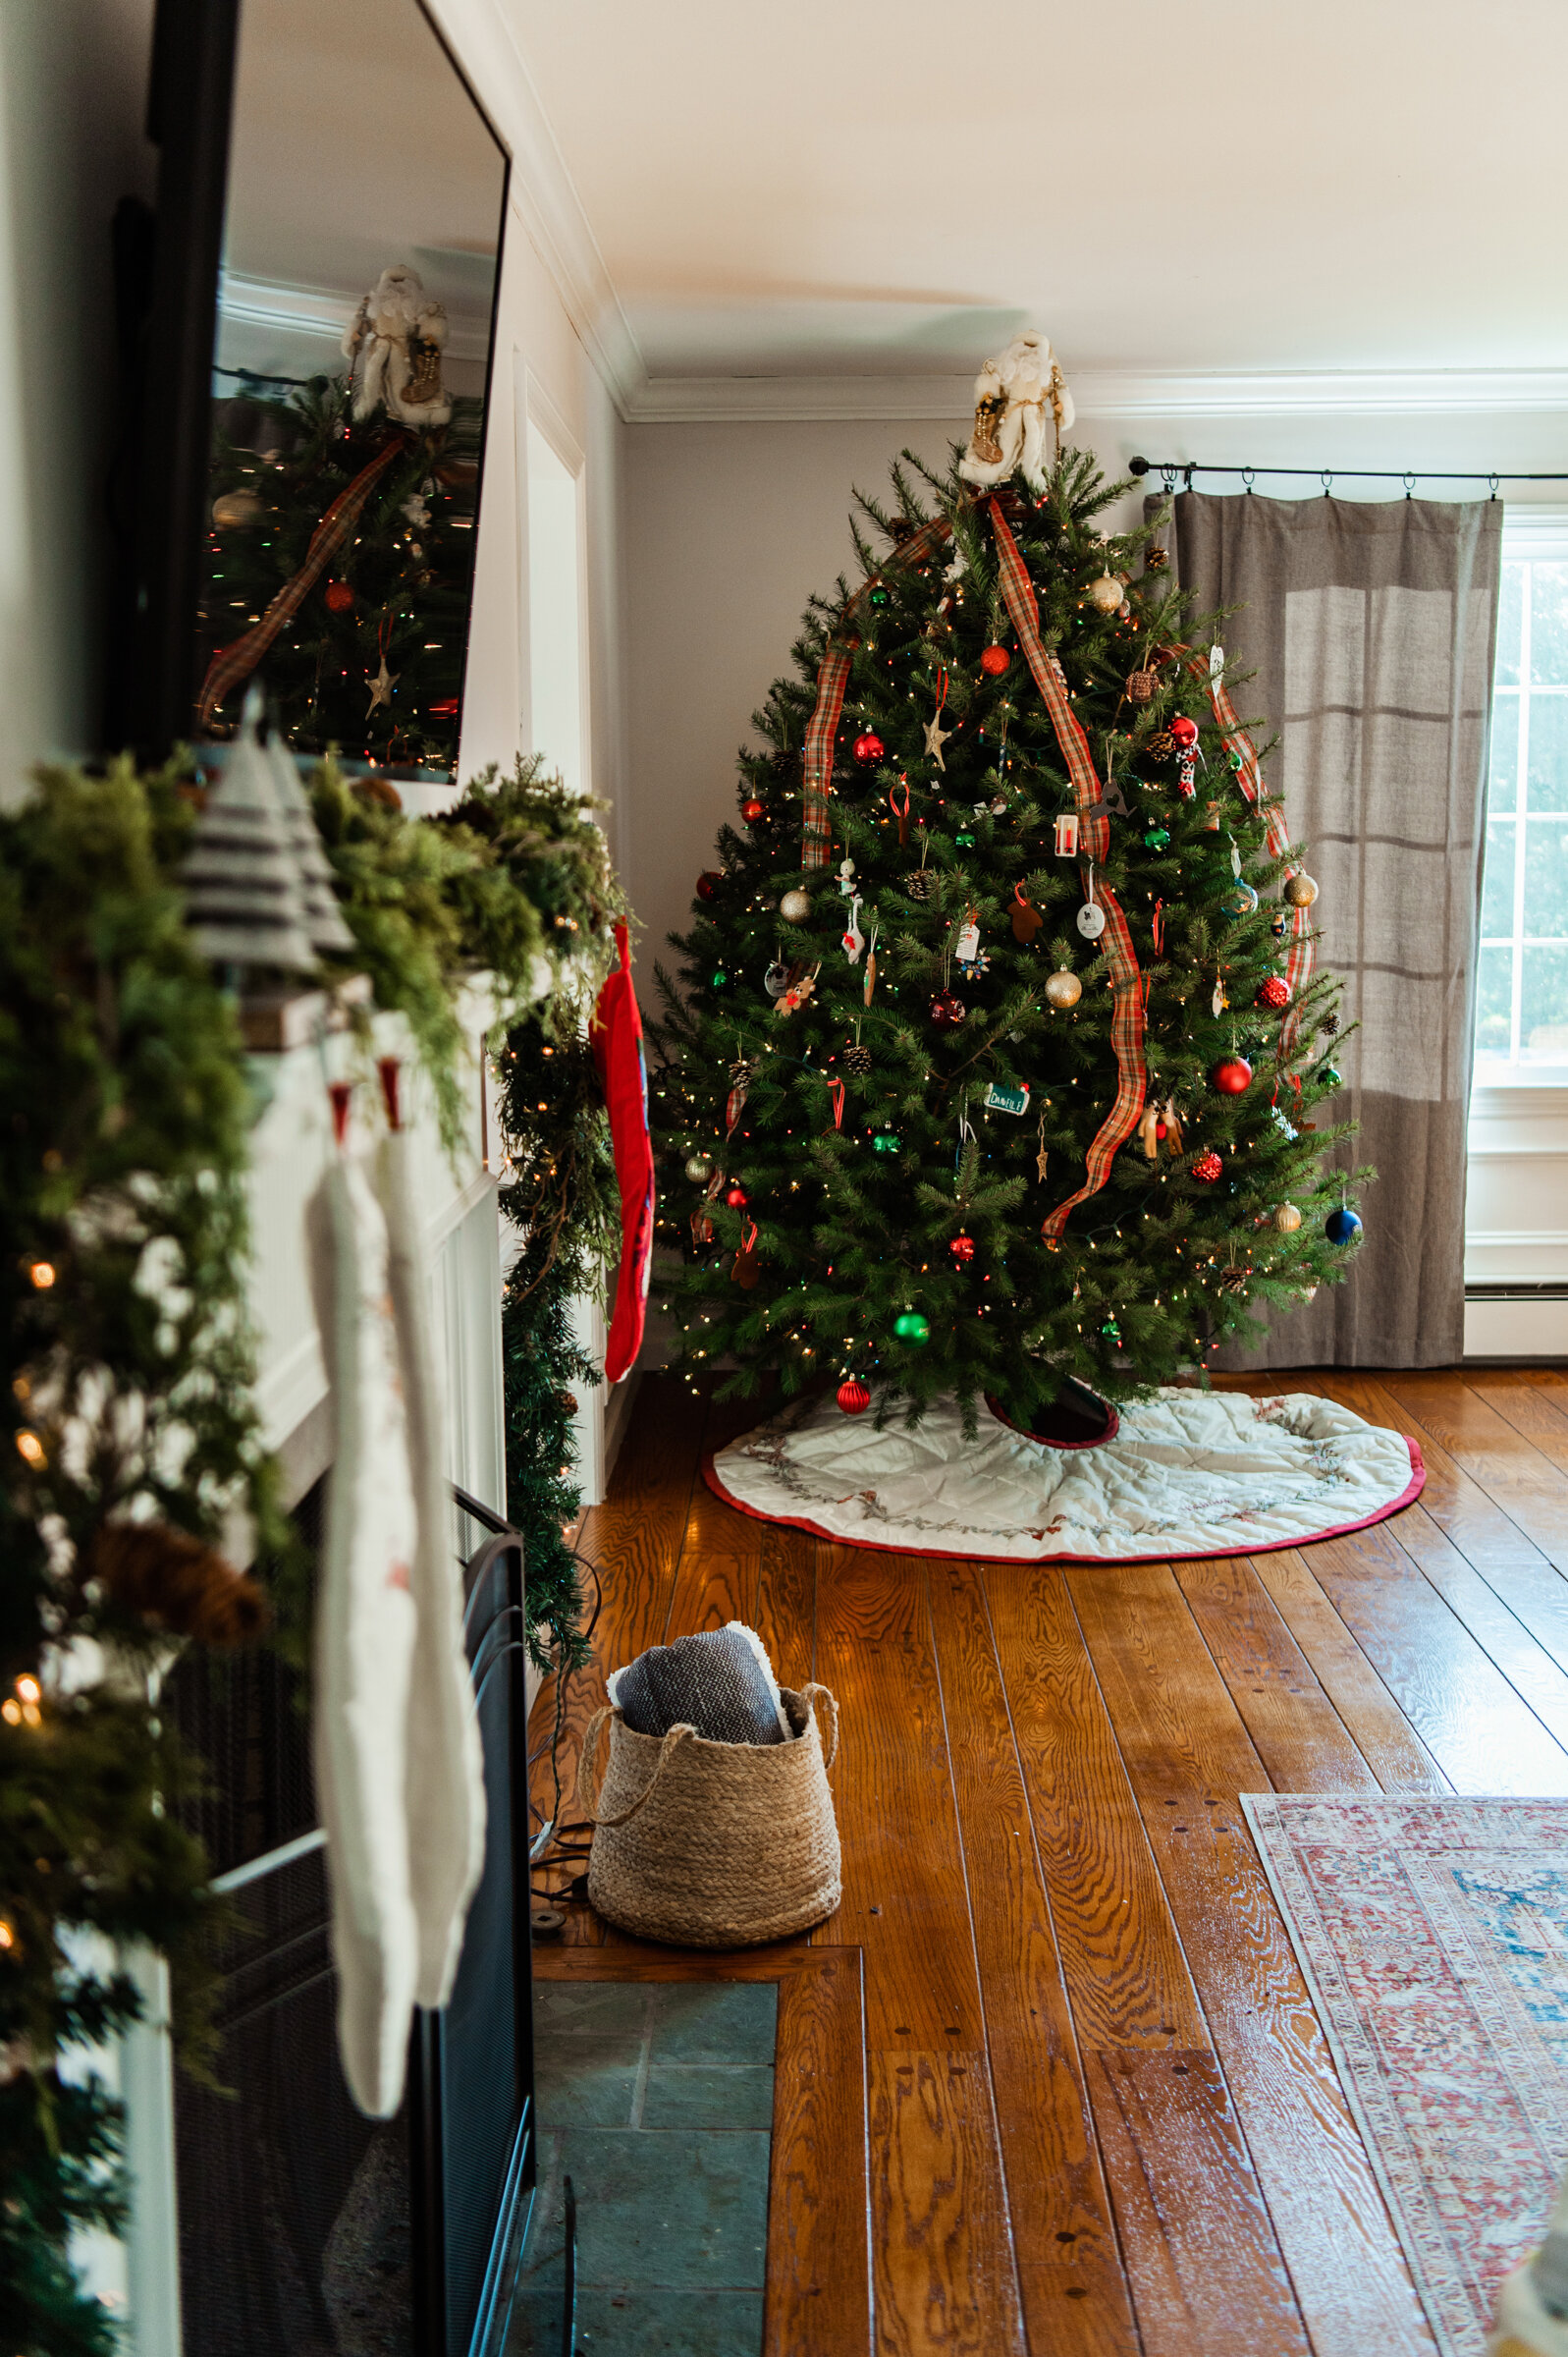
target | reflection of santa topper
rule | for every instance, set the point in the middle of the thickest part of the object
(397, 334)
(1016, 398)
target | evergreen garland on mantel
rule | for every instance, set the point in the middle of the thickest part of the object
(130, 1435)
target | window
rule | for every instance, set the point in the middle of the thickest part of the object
(1522, 983)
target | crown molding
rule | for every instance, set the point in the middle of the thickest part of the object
(1108, 393)
(541, 190)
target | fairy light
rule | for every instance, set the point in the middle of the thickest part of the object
(42, 1274)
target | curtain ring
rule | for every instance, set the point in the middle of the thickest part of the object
(1170, 475)
(1494, 480)
(1326, 480)
(1410, 486)
(1248, 476)
(1186, 483)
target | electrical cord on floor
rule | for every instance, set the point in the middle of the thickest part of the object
(561, 1850)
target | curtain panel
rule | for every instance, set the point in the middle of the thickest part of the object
(1369, 629)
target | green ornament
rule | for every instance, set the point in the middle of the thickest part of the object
(1330, 1079)
(965, 843)
(1236, 761)
(912, 1327)
(885, 1142)
(878, 596)
(1112, 1329)
(720, 978)
(1156, 838)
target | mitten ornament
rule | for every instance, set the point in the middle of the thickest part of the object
(617, 1036)
(446, 1767)
(365, 1639)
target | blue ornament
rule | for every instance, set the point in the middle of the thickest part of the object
(1241, 900)
(1341, 1227)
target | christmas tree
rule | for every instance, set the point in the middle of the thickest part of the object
(997, 1060)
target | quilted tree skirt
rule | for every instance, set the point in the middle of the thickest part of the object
(1190, 1473)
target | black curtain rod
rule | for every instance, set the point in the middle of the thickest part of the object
(1328, 475)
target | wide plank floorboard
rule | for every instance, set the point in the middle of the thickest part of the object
(1099, 2115)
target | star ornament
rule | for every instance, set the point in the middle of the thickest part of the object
(935, 738)
(381, 687)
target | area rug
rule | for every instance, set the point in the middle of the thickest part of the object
(1434, 1938)
(1188, 1473)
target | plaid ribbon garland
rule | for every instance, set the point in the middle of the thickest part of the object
(833, 677)
(1094, 830)
(233, 663)
(1299, 959)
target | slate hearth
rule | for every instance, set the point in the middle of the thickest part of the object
(657, 2100)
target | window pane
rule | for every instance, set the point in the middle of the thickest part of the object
(1502, 789)
(1493, 984)
(1497, 888)
(1547, 876)
(1510, 620)
(1543, 1025)
(1548, 625)
(1549, 753)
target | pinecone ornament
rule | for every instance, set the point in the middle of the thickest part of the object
(857, 1062)
(919, 886)
(1161, 746)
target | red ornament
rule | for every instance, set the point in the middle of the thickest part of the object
(708, 883)
(339, 597)
(1184, 731)
(1274, 993)
(1208, 1166)
(1231, 1075)
(994, 661)
(868, 747)
(853, 1397)
(962, 1249)
(735, 1195)
(751, 810)
(946, 1011)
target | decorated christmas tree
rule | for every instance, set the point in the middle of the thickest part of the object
(996, 1063)
(341, 552)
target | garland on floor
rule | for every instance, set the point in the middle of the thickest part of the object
(130, 1436)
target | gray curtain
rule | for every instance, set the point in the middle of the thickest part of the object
(1369, 629)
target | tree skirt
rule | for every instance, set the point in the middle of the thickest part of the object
(1189, 1473)
(1432, 1935)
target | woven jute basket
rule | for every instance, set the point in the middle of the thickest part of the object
(713, 1844)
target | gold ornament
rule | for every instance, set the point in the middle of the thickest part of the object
(232, 511)
(1063, 988)
(381, 687)
(795, 906)
(1300, 889)
(700, 1170)
(1106, 593)
(1288, 1219)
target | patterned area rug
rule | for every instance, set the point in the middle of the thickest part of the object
(1434, 1936)
(1188, 1473)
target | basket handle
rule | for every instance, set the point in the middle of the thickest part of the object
(808, 1694)
(586, 1766)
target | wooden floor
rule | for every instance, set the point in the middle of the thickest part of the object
(1102, 2115)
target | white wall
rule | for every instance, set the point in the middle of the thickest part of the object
(72, 94)
(732, 527)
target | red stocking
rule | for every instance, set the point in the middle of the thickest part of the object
(616, 1035)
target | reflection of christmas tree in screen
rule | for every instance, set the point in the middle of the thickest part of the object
(365, 531)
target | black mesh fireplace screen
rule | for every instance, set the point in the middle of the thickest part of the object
(308, 2231)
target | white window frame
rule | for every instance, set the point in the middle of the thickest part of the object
(1516, 1213)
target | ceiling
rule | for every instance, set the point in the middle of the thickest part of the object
(889, 187)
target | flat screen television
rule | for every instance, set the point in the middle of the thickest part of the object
(307, 324)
